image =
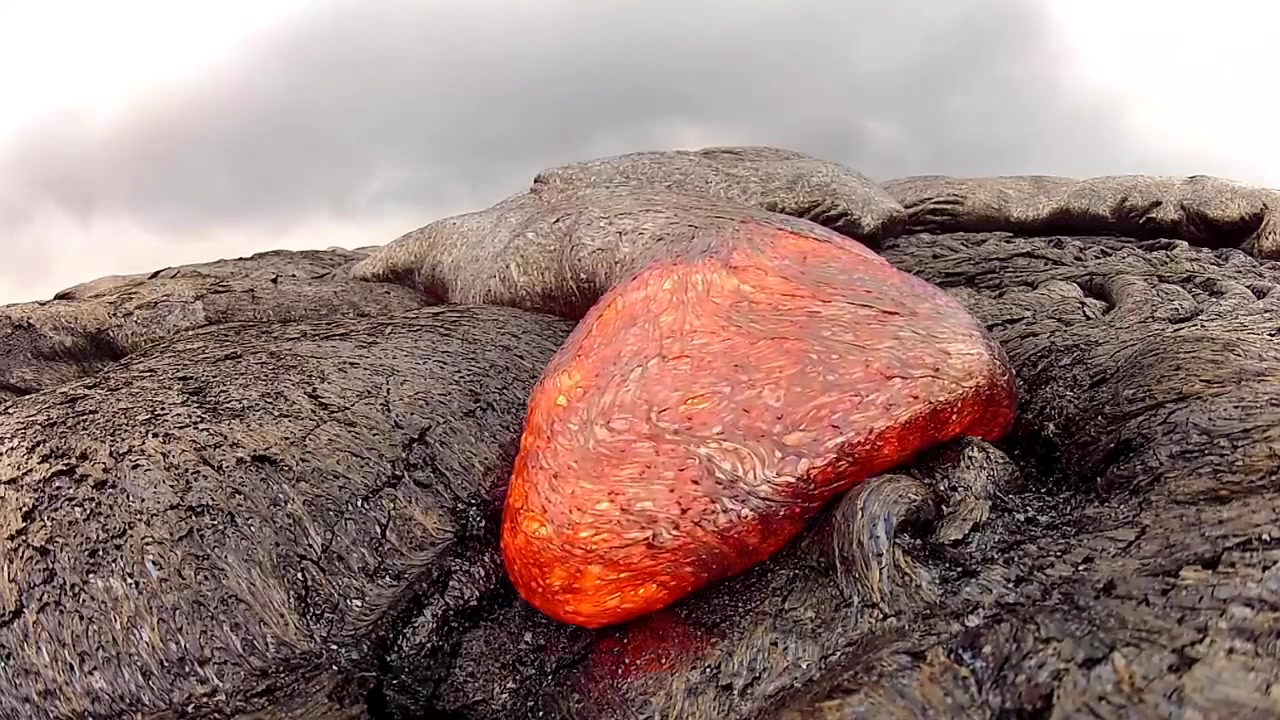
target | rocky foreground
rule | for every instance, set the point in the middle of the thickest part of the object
(270, 487)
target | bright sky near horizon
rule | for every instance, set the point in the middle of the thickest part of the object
(57, 54)
(1190, 72)
(1183, 74)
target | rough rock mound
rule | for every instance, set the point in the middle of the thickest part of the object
(559, 253)
(93, 325)
(243, 519)
(1200, 209)
(584, 226)
(333, 263)
(774, 179)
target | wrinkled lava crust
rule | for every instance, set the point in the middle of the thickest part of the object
(706, 408)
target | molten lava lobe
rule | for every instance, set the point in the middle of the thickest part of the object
(705, 409)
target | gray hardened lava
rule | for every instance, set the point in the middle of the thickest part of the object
(273, 487)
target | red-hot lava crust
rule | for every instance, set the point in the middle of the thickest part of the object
(706, 408)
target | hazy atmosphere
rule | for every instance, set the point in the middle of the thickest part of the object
(139, 134)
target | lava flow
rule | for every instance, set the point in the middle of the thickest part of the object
(705, 409)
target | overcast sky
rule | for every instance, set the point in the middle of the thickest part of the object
(136, 134)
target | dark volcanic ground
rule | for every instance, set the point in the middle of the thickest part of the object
(263, 488)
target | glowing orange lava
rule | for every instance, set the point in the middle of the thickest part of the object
(704, 410)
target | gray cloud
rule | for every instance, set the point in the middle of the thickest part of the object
(377, 108)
